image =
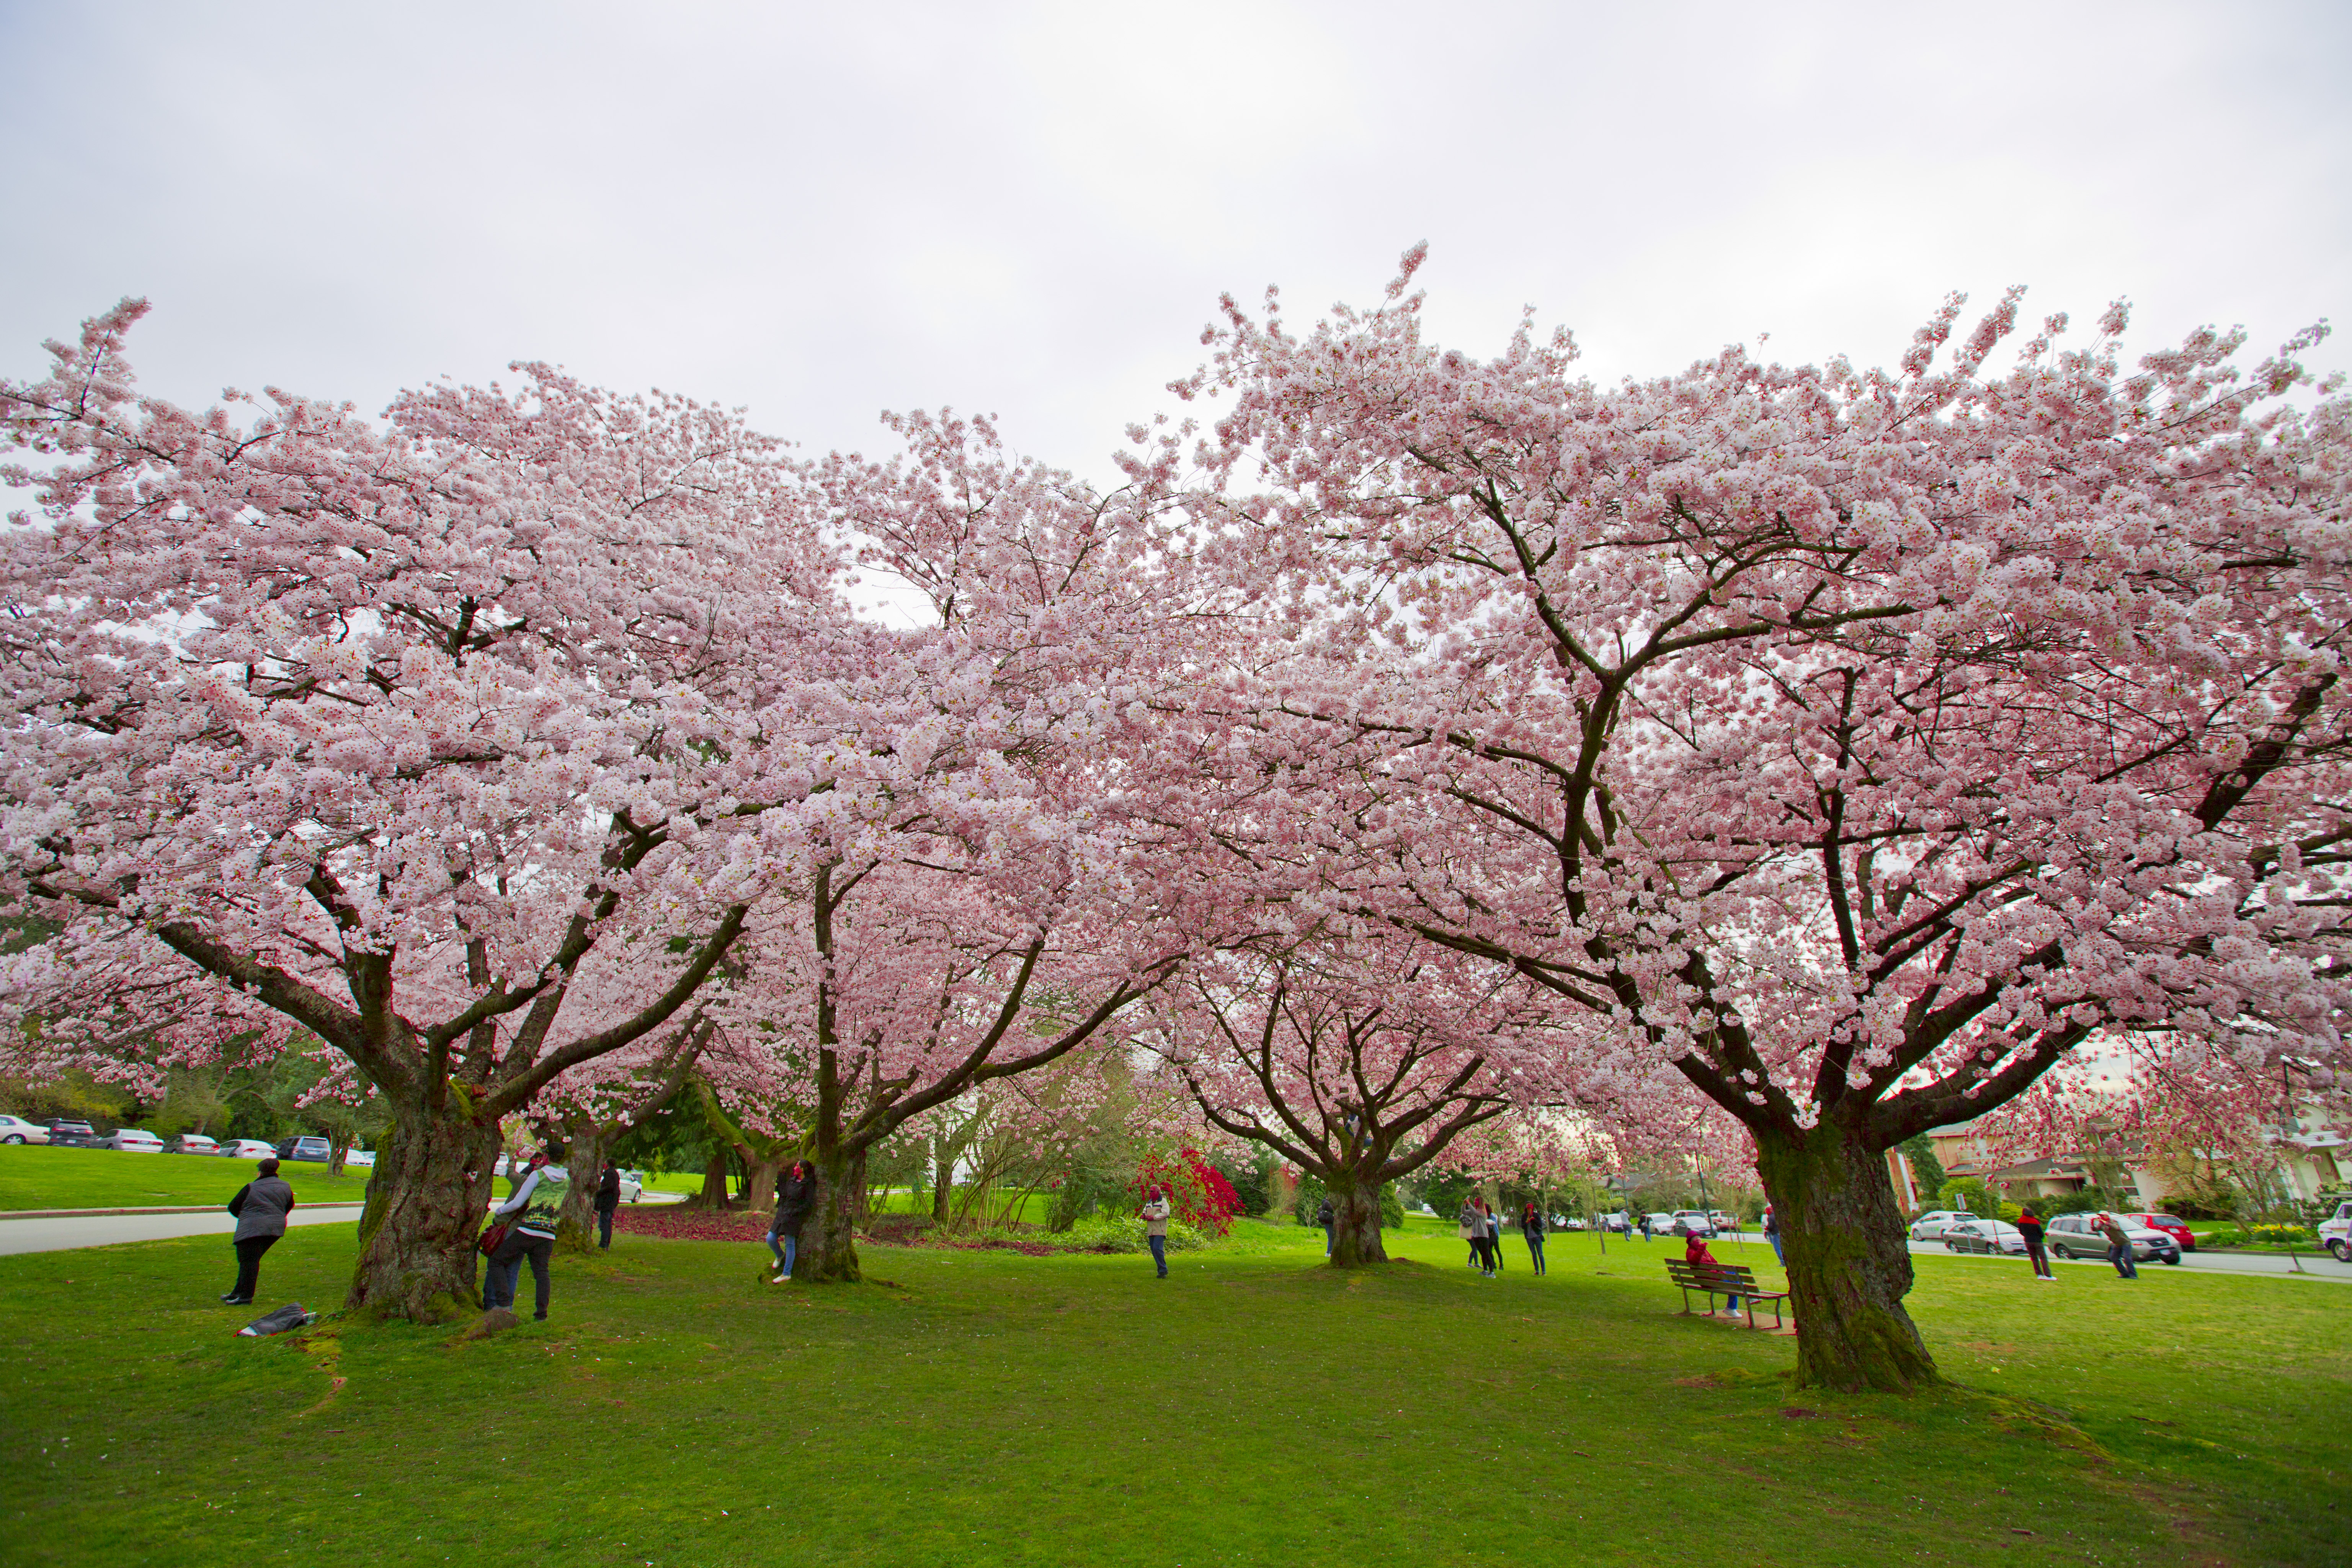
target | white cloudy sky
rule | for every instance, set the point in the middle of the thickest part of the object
(825, 211)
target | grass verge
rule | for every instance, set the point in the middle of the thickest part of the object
(986, 1408)
(34, 1176)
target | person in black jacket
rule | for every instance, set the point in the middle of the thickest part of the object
(1323, 1216)
(1531, 1226)
(608, 1198)
(261, 1207)
(794, 1196)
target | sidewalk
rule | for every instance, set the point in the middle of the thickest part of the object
(184, 1208)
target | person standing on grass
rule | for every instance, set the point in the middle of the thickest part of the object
(1323, 1218)
(1494, 1236)
(532, 1213)
(2030, 1228)
(608, 1198)
(1773, 1234)
(261, 1207)
(1646, 1227)
(1531, 1226)
(796, 1195)
(1155, 1227)
(2119, 1247)
(1470, 1228)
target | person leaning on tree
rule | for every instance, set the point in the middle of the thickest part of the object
(608, 1198)
(1323, 1215)
(796, 1195)
(261, 1207)
(533, 1215)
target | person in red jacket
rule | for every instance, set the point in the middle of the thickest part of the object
(1694, 1251)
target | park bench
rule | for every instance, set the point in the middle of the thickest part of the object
(1723, 1279)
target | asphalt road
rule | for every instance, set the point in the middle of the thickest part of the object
(108, 1230)
(2316, 1266)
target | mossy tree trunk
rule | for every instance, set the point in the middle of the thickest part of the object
(425, 1199)
(584, 1156)
(1848, 1260)
(1355, 1219)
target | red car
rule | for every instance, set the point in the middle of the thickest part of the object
(2176, 1228)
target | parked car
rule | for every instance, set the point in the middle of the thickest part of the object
(1620, 1222)
(1930, 1226)
(2336, 1232)
(1987, 1236)
(633, 1187)
(1566, 1222)
(312, 1149)
(2079, 1235)
(248, 1149)
(1660, 1222)
(2172, 1226)
(17, 1130)
(74, 1135)
(363, 1158)
(1692, 1222)
(1723, 1221)
(191, 1143)
(135, 1141)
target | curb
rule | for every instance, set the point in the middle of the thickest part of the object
(190, 1208)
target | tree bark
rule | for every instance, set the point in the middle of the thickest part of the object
(425, 1201)
(714, 1183)
(1355, 1220)
(760, 1173)
(584, 1156)
(828, 1251)
(1849, 1266)
(942, 1178)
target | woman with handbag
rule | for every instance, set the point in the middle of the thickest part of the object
(536, 1207)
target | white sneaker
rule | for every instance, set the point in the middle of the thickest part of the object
(778, 1279)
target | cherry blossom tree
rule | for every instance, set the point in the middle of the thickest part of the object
(468, 742)
(1358, 1061)
(1857, 742)
(598, 1101)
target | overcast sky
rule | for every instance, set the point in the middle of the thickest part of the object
(823, 212)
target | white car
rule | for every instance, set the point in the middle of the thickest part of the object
(17, 1130)
(1723, 1221)
(136, 1140)
(1930, 1226)
(633, 1187)
(361, 1157)
(248, 1149)
(2336, 1232)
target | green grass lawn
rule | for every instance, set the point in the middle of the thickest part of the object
(986, 1407)
(34, 1176)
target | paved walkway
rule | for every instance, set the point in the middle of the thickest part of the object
(57, 1234)
(2315, 1264)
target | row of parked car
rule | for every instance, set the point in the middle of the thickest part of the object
(2160, 1238)
(63, 1133)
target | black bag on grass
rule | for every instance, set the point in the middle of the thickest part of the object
(290, 1316)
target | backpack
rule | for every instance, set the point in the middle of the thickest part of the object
(291, 1316)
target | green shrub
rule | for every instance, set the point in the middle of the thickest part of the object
(1124, 1233)
(2277, 1234)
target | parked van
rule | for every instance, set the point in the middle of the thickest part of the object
(2336, 1232)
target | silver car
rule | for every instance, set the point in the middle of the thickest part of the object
(2079, 1235)
(1987, 1236)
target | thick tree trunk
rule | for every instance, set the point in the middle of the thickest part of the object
(759, 1180)
(425, 1203)
(1355, 1220)
(584, 1156)
(1849, 1266)
(714, 1183)
(828, 1251)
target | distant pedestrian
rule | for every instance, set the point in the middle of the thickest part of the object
(1494, 1236)
(1531, 1226)
(608, 1198)
(1646, 1227)
(1772, 1234)
(2030, 1227)
(1155, 1227)
(261, 1207)
(796, 1195)
(535, 1209)
(1323, 1218)
(2119, 1246)
(1470, 1227)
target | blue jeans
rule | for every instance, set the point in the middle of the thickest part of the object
(1774, 1237)
(2120, 1254)
(506, 1269)
(1326, 1241)
(1535, 1250)
(786, 1253)
(1160, 1253)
